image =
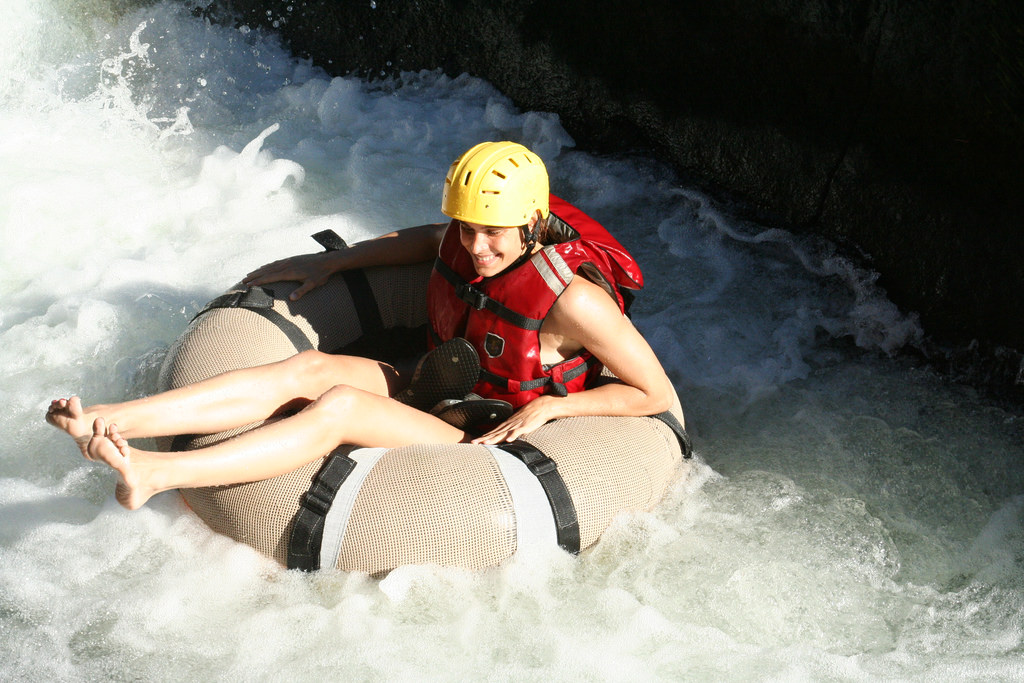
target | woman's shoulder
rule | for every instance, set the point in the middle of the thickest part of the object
(584, 304)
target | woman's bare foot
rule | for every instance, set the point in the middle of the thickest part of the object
(67, 414)
(106, 445)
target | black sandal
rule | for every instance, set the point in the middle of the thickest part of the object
(467, 414)
(449, 371)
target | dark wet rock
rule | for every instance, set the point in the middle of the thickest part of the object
(891, 127)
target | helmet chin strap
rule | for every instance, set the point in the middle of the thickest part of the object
(529, 236)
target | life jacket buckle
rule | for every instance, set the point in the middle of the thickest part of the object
(472, 296)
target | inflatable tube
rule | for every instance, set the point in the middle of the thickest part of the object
(452, 504)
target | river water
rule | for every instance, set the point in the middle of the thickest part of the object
(850, 516)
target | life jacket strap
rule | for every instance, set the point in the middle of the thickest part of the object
(478, 300)
(516, 386)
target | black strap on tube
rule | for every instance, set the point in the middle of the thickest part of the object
(677, 428)
(330, 240)
(358, 285)
(308, 528)
(260, 301)
(567, 526)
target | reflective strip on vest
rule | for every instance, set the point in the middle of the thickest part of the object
(553, 269)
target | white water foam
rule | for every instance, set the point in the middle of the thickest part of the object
(850, 517)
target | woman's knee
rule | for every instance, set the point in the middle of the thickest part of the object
(315, 372)
(340, 399)
(304, 366)
(305, 361)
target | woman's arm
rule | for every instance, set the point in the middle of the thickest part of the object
(411, 245)
(587, 315)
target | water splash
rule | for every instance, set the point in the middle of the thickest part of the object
(851, 516)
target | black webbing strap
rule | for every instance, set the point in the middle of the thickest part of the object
(567, 526)
(502, 382)
(260, 300)
(677, 429)
(330, 240)
(358, 285)
(478, 300)
(364, 300)
(308, 528)
(530, 385)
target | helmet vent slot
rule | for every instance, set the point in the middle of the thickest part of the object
(465, 180)
(500, 175)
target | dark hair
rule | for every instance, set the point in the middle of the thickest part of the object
(541, 227)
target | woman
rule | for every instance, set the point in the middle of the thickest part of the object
(497, 197)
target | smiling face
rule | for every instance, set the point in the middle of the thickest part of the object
(492, 249)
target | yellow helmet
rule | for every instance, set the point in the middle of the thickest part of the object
(496, 183)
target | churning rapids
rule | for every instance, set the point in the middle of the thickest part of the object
(852, 516)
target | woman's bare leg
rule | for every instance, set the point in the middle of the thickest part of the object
(227, 400)
(342, 415)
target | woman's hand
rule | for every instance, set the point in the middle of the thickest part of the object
(534, 414)
(403, 247)
(309, 270)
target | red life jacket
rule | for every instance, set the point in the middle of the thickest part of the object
(502, 315)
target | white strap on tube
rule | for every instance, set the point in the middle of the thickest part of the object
(336, 520)
(535, 523)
